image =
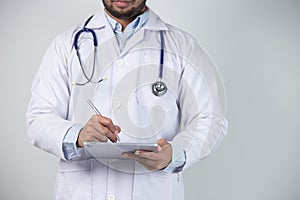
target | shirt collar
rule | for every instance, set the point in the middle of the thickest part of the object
(137, 23)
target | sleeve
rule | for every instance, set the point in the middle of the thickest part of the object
(48, 110)
(178, 159)
(70, 148)
(202, 105)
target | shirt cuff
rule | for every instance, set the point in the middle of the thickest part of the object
(69, 147)
(178, 159)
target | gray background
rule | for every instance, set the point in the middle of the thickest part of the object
(255, 43)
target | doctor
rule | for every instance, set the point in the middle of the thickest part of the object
(187, 121)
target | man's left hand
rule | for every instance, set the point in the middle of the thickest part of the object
(153, 160)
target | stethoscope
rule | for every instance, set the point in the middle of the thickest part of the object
(159, 88)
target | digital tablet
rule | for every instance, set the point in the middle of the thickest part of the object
(108, 150)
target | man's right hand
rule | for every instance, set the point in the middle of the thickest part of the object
(98, 129)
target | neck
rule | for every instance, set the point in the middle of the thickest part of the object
(125, 22)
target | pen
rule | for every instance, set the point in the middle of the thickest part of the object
(98, 113)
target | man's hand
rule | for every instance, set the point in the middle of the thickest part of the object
(98, 129)
(153, 160)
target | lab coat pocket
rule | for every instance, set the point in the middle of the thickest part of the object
(158, 114)
(74, 180)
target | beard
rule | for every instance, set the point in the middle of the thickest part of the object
(127, 14)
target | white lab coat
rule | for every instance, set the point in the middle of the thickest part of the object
(191, 115)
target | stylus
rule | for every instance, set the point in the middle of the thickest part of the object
(98, 113)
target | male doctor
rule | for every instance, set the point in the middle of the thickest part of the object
(187, 121)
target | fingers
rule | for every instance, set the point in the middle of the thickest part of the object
(107, 128)
(90, 135)
(107, 123)
(148, 163)
(153, 160)
(98, 129)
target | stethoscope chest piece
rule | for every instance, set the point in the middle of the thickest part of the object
(159, 88)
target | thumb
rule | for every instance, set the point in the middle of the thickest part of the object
(162, 143)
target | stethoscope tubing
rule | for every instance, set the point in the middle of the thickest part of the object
(85, 30)
(158, 88)
(162, 52)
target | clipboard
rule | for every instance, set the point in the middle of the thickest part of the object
(108, 150)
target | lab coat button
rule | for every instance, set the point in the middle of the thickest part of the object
(120, 62)
(111, 197)
(117, 104)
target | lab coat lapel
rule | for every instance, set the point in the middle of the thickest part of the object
(98, 22)
(154, 23)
